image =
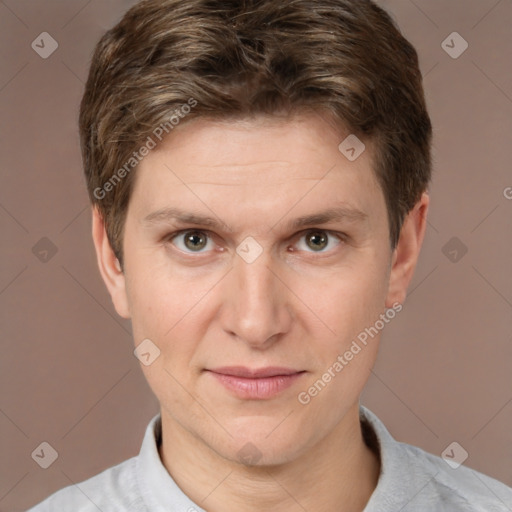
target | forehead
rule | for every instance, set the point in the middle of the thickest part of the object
(250, 141)
(254, 165)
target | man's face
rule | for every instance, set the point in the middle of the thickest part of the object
(256, 288)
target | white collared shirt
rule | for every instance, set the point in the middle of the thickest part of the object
(410, 480)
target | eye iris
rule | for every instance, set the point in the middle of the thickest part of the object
(194, 237)
(318, 239)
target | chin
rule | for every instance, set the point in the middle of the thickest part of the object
(263, 442)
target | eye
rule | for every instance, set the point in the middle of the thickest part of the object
(318, 240)
(191, 241)
(197, 241)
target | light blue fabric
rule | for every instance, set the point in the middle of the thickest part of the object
(410, 480)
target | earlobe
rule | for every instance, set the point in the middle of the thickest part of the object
(110, 268)
(406, 253)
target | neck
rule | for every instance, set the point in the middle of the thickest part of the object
(338, 473)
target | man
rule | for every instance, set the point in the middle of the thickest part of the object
(258, 172)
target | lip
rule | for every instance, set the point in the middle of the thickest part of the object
(256, 384)
(243, 371)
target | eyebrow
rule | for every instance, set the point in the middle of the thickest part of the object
(335, 214)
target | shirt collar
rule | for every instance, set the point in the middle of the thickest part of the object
(159, 491)
(402, 474)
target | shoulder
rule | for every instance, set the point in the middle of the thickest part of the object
(412, 479)
(452, 488)
(116, 488)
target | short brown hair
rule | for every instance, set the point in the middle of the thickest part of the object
(241, 58)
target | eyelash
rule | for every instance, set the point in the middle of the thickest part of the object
(341, 238)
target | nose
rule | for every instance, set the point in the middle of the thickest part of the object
(256, 308)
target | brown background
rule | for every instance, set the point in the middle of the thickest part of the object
(68, 375)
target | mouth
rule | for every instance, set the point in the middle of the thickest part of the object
(255, 384)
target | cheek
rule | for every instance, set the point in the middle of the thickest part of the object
(351, 305)
(171, 308)
(159, 297)
(167, 310)
(347, 300)
(152, 304)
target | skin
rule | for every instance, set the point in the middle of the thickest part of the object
(297, 305)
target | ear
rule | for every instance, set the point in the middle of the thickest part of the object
(108, 263)
(405, 255)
